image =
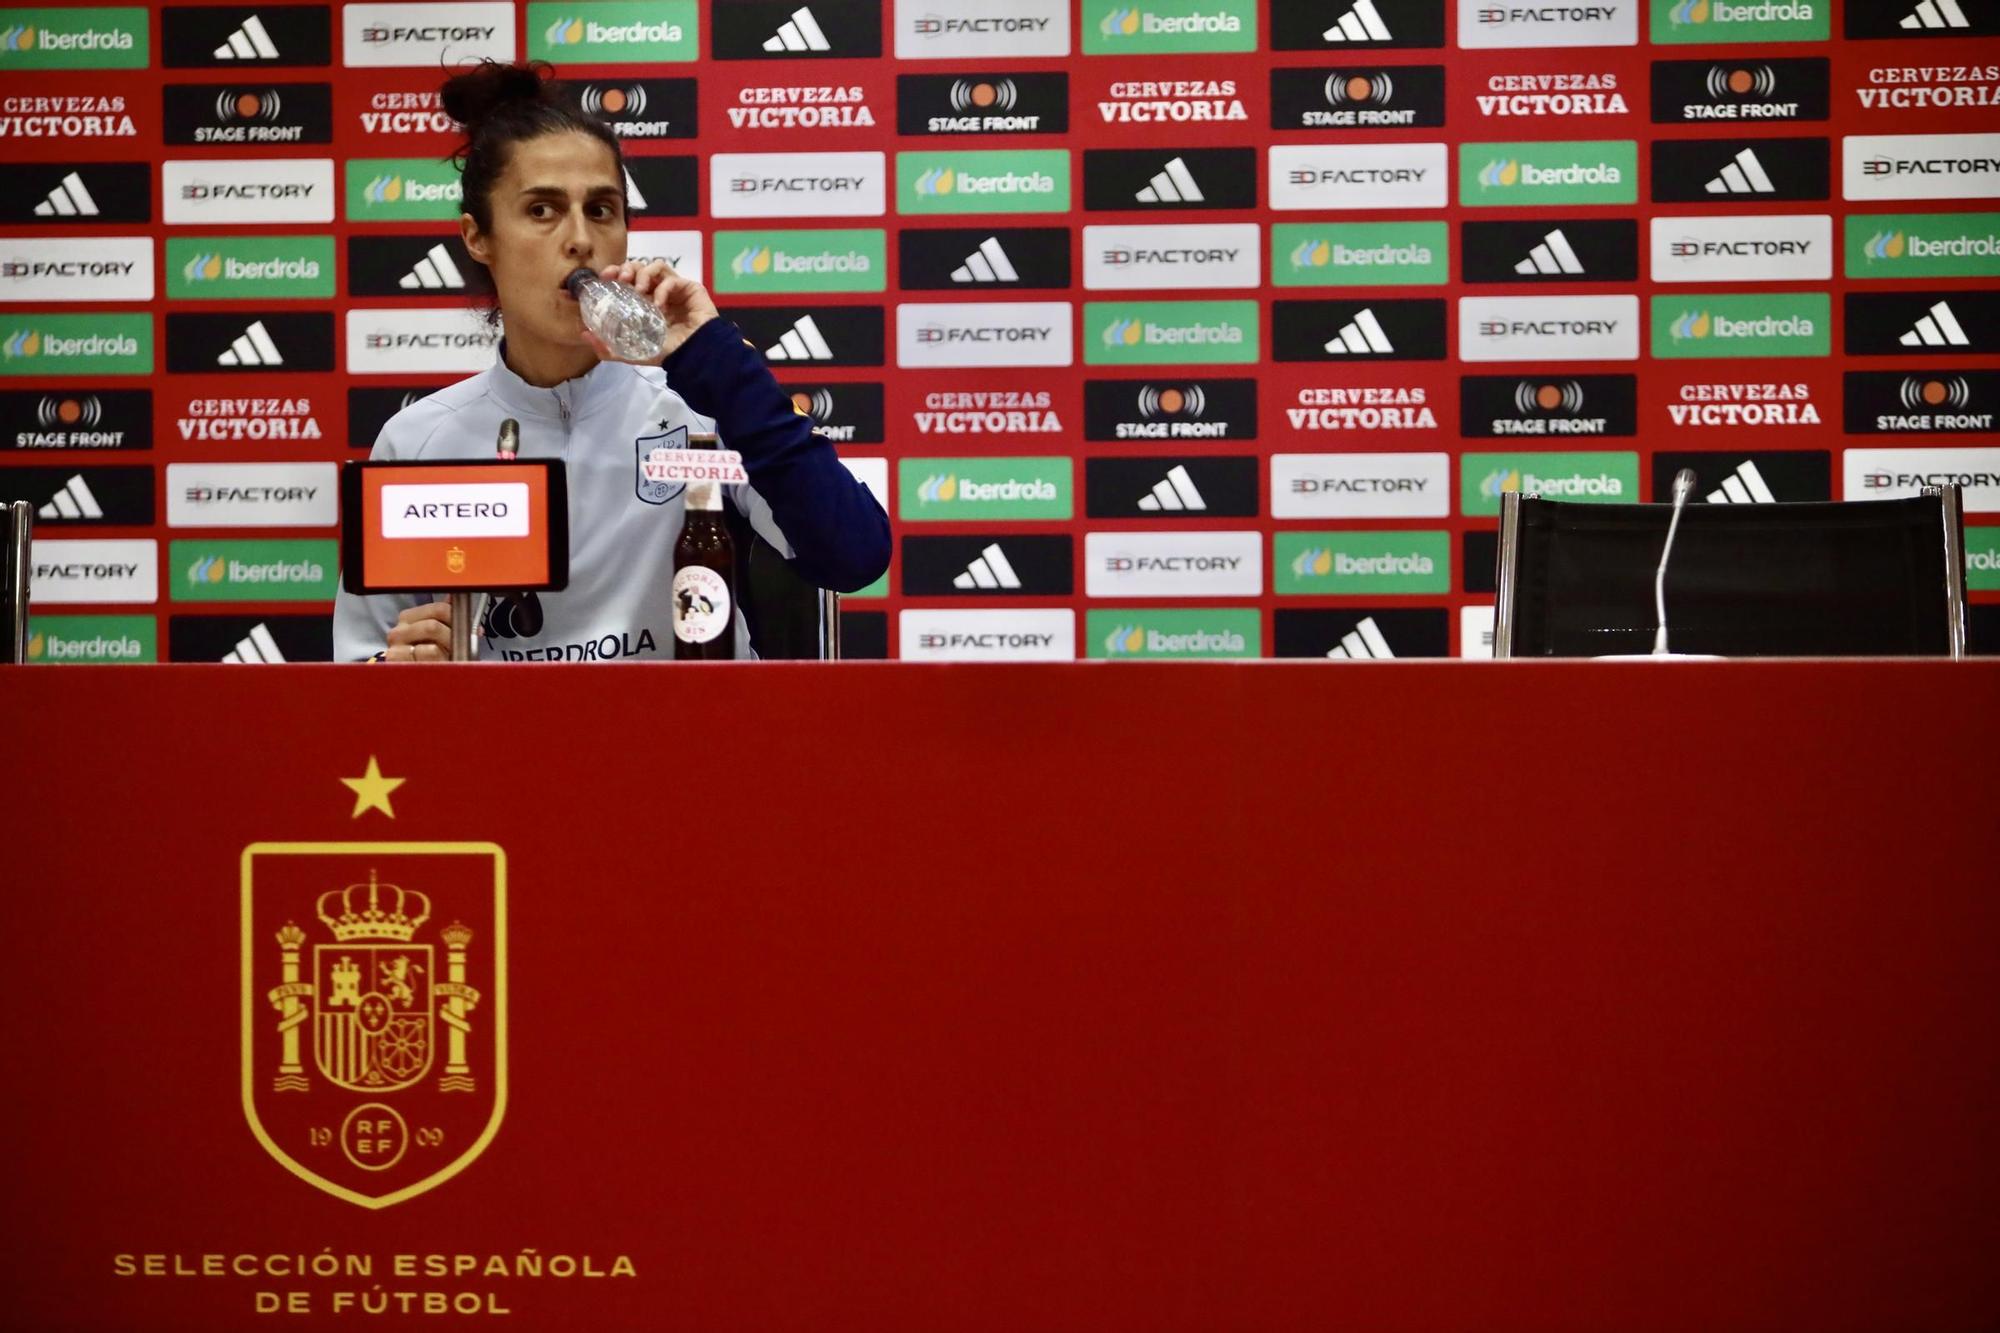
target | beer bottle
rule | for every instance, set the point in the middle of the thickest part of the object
(704, 575)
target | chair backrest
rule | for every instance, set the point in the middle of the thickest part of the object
(17, 530)
(790, 618)
(1870, 578)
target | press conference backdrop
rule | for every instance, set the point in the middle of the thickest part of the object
(1173, 328)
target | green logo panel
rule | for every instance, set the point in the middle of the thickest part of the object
(801, 261)
(244, 268)
(1923, 245)
(1771, 324)
(1593, 478)
(617, 32)
(1174, 633)
(1982, 559)
(1360, 254)
(948, 489)
(402, 189)
(95, 639)
(975, 182)
(1523, 175)
(1338, 563)
(1691, 22)
(1169, 27)
(253, 571)
(76, 344)
(1169, 333)
(74, 39)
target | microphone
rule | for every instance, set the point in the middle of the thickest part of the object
(509, 442)
(1683, 488)
(473, 608)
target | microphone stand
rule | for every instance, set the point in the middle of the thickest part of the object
(465, 612)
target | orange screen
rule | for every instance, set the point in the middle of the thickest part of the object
(455, 527)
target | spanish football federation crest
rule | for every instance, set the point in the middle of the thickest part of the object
(374, 1011)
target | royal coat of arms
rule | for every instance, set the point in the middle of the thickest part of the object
(374, 1023)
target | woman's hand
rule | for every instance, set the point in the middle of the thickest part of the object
(685, 302)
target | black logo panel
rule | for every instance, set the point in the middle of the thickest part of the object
(1014, 565)
(1548, 407)
(789, 30)
(1922, 323)
(369, 409)
(255, 639)
(1357, 97)
(238, 342)
(1921, 402)
(76, 419)
(813, 336)
(1735, 92)
(1165, 179)
(1735, 477)
(41, 193)
(1556, 250)
(982, 103)
(1375, 330)
(985, 259)
(1170, 409)
(640, 108)
(1740, 171)
(433, 265)
(1358, 634)
(248, 113)
(235, 37)
(1170, 487)
(82, 497)
(1356, 25)
(662, 187)
(844, 413)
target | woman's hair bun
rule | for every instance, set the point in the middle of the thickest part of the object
(474, 95)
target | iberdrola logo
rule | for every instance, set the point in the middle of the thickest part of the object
(1502, 172)
(1312, 254)
(209, 569)
(1314, 562)
(1120, 23)
(938, 180)
(1125, 639)
(565, 32)
(1695, 324)
(25, 342)
(754, 261)
(1688, 11)
(203, 268)
(20, 37)
(1124, 333)
(384, 190)
(1884, 245)
(37, 645)
(938, 489)
(1499, 482)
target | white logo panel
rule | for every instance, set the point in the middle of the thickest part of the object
(797, 185)
(988, 30)
(1129, 258)
(76, 268)
(1363, 175)
(432, 36)
(265, 189)
(94, 572)
(1897, 474)
(1765, 248)
(948, 337)
(1920, 166)
(1361, 485)
(1173, 564)
(1548, 328)
(1484, 25)
(419, 342)
(986, 636)
(253, 495)
(682, 249)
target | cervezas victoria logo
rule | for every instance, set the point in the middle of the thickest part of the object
(374, 1007)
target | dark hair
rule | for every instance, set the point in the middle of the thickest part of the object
(502, 105)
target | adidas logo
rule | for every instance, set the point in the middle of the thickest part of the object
(1551, 257)
(434, 270)
(800, 33)
(249, 42)
(1363, 641)
(1174, 185)
(70, 199)
(1937, 14)
(256, 646)
(1362, 336)
(989, 263)
(253, 347)
(635, 199)
(73, 501)
(1178, 491)
(802, 342)
(1744, 175)
(1359, 24)
(1743, 486)
(1939, 328)
(989, 570)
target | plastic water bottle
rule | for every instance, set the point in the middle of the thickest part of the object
(630, 324)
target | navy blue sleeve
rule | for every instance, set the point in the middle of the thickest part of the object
(839, 535)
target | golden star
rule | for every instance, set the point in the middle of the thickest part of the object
(371, 790)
